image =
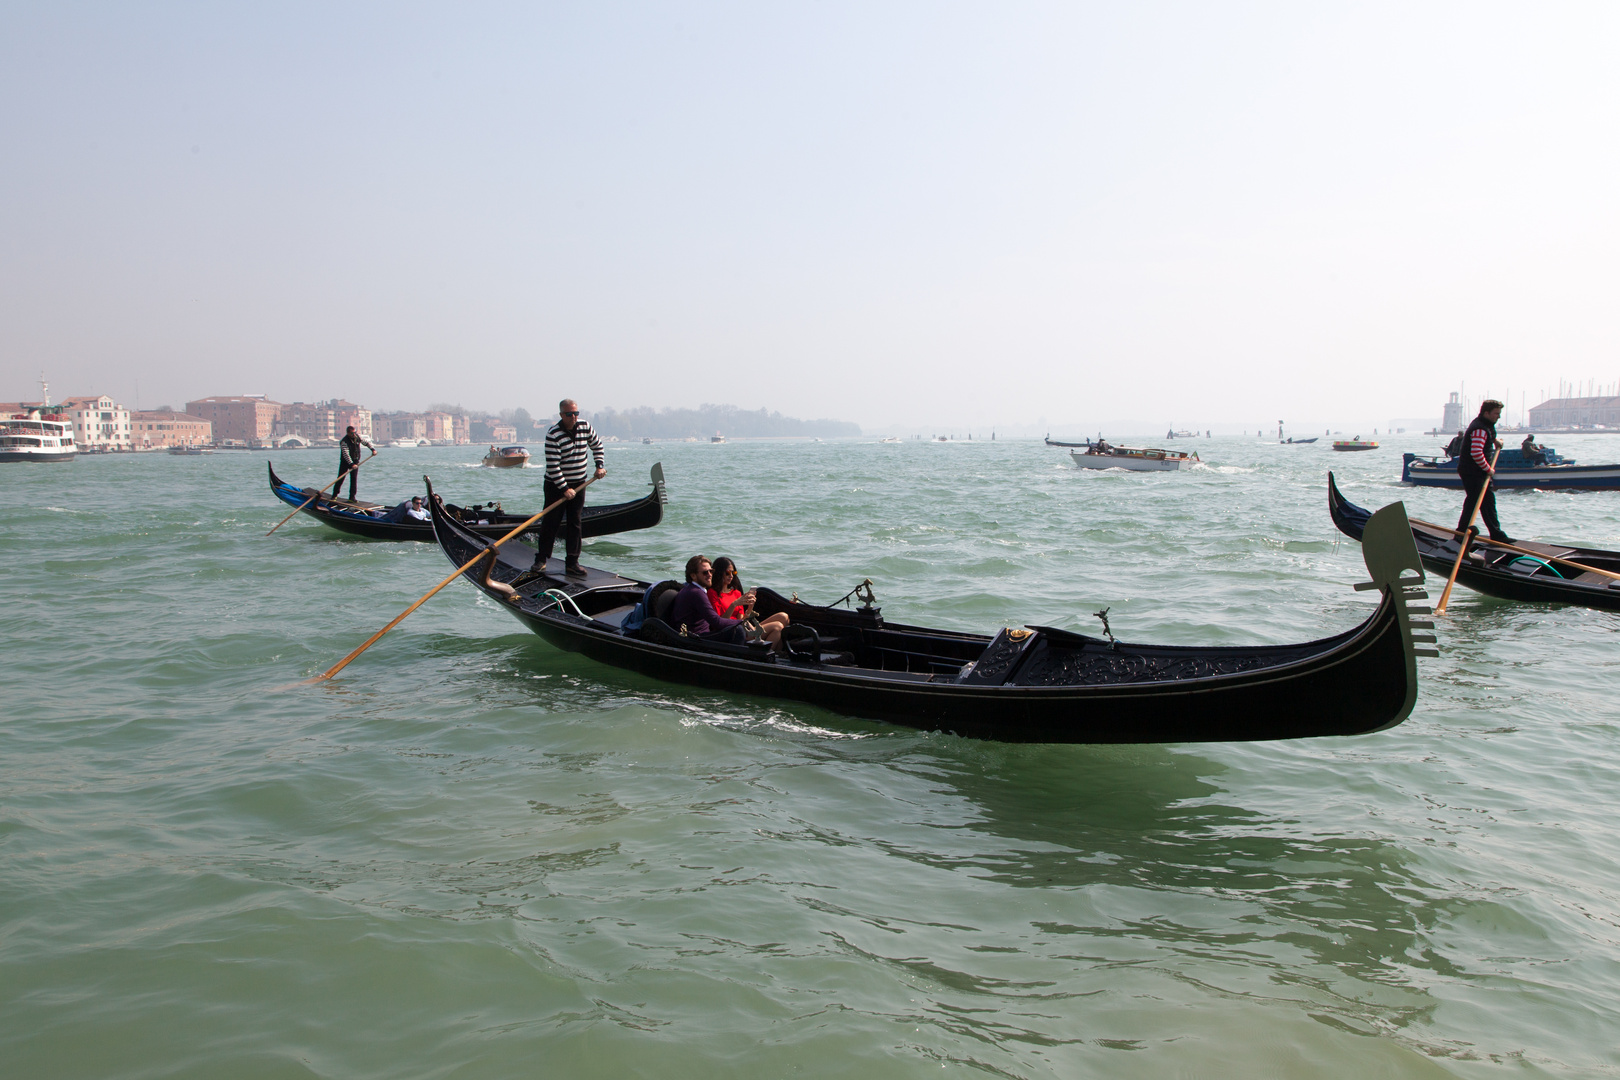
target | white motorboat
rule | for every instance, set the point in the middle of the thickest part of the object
(1101, 455)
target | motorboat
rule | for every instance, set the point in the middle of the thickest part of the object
(506, 457)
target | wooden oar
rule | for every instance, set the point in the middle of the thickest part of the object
(1522, 551)
(343, 663)
(1462, 545)
(318, 494)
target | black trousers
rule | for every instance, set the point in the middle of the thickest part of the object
(1472, 483)
(354, 479)
(569, 517)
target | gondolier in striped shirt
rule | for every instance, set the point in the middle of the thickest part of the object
(570, 444)
(1474, 466)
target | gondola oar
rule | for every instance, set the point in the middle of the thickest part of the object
(1523, 551)
(318, 494)
(1462, 544)
(486, 553)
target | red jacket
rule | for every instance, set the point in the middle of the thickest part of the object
(724, 602)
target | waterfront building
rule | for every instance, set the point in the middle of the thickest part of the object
(162, 428)
(99, 422)
(346, 414)
(241, 420)
(1581, 412)
(311, 421)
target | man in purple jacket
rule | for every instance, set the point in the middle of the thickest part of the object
(693, 611)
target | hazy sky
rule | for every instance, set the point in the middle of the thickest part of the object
(929, 214)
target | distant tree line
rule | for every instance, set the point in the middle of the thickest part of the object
(701, 422)
(707, 420)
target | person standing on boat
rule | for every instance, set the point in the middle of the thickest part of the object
(1475, 469)
(348, 458)
(570, 443)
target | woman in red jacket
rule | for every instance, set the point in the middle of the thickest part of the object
(730, 602)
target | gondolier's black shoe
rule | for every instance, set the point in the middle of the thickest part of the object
(1504, 539)
(573, 569)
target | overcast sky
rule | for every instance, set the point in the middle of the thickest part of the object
(926, 215)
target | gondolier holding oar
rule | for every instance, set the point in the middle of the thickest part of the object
(570, 443)
(1475, 469)
(349, 460)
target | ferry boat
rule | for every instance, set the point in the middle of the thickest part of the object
(717, 437)
(506, 457)
(1102, 455)
(1357, 443)
(31, 437)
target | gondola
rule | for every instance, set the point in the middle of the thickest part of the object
(486, 519)
(1025, 684)
(1497, 571)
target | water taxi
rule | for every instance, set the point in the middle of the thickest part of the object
(1102, 455)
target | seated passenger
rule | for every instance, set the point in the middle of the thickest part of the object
(411, 511)
(1533, 454)
(693, 611)
(729, 600)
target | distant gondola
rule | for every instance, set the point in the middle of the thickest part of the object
(1498, 572)
(486, 519)
(1035, 684)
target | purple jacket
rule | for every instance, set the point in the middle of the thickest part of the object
(693, 610)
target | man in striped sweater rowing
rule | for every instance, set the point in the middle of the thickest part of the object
(570, 443)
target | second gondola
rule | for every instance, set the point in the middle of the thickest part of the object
(1536, 572)
(362, 519)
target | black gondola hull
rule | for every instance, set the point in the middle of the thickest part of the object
(642, 513)
(1506, 578)
(1356, 682)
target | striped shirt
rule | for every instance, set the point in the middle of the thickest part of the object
(567, 453)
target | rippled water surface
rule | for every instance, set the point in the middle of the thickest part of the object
(472, 855)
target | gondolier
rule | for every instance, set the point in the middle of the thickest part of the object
(1475, 469)
(570, 444)
(348, 457)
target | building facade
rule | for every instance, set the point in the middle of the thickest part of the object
(346, 414)
(312, 421)
(154, 430)
(1587, 412)
(238, 420)
(99, 423)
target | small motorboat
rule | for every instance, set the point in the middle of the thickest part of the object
(1103, 455)
(506, 457)
(1357, 443)
(1546, 470)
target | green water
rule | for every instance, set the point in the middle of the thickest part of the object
(474, 856)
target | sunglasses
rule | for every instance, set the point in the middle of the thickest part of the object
(572, 413)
